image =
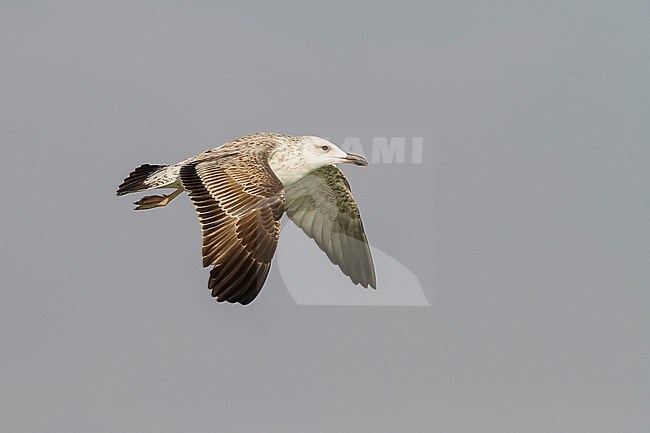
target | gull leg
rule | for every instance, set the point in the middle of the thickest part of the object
(153, 201)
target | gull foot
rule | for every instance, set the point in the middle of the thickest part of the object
(152, 201)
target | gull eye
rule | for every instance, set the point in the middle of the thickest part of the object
(325, 147)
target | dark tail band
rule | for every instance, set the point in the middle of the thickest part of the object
(135, 181)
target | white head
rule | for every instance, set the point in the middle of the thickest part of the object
(318, 152)
(307, 153)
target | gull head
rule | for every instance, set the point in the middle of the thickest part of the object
(318, 152)
(298, 156)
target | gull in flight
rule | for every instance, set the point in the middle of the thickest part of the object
(240, 191)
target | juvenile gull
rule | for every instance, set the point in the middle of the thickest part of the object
(240, 191)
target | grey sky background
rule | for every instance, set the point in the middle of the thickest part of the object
(526, 224)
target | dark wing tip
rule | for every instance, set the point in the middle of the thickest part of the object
(239, 282)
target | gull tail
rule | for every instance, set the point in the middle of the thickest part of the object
(136, 180)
